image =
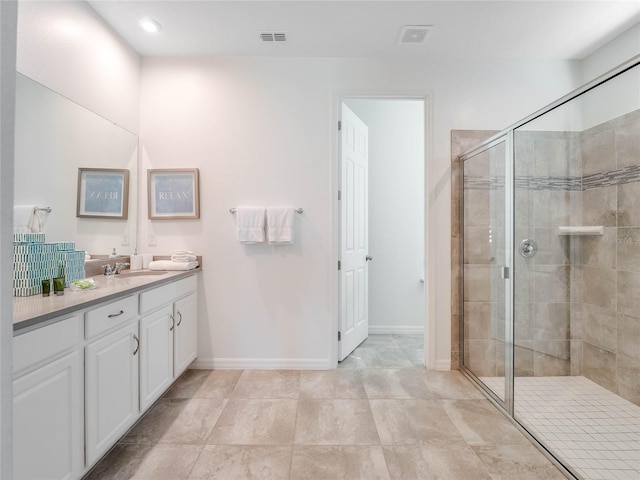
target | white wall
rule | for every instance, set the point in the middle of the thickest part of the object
(619, 50)
(261, 131)
(68, 47)
(613, 99)
(621, 95)
(396, 213)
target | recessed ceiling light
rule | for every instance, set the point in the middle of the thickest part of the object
(149, 25)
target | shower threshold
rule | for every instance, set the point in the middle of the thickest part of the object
(587, 427)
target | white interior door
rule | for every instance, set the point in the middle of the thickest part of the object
(354, 243)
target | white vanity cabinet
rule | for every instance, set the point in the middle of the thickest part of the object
(81, 380)
(168, 336)
(185, 336)
(156, 357)
(111, 375)
(48, 441)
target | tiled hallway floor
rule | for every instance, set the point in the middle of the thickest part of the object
(379, 416)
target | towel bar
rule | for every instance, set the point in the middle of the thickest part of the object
(44, 209)
(233, 210)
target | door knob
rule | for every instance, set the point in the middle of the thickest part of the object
(368, 258)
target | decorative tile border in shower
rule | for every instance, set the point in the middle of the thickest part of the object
(620, 176)
(612, 178)
(524, 183)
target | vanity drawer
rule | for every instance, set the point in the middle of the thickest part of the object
(110, 315)
(167, 293)
(44, 343)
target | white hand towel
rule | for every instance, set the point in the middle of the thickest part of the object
(250, 224)
(169, 265)
(22, 218)
(39, 217)
(280, 225)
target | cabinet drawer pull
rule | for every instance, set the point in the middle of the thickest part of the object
(179, 321)
(111, 315)
(135, 337)
(173, 323)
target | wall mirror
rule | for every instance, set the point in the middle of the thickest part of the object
(54, 138)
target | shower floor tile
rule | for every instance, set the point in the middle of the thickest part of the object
(589, 428)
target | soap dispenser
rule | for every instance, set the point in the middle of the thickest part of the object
(113, 254)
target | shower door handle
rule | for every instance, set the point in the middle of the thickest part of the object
(528, 248)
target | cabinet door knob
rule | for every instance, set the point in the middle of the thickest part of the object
(135, 337)
(173, 323)
(179, 321)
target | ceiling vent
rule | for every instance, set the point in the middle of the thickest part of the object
(273, 36)
(414, 34)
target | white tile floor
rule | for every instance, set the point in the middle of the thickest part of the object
(589, 428)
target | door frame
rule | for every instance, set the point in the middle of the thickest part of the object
(334, 278)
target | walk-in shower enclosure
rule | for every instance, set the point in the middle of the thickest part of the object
(550, 275)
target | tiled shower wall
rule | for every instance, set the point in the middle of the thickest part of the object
(611, 263)
(578, 299)
(548, 287)
(461, 140)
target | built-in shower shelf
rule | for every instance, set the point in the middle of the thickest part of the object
(581, 230)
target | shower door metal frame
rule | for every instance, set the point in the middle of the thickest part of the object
(507, 269)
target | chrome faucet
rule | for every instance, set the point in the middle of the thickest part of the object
(110, 270)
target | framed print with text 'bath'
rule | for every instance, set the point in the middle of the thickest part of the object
(103, 193)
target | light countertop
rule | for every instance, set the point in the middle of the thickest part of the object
(30, 312)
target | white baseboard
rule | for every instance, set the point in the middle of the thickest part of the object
(262, 363)
(278, 364)
(443, 364)
(395, 330)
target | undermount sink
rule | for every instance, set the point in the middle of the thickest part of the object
(141, 273)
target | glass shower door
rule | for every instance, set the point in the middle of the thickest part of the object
(485, 258)
(551, 275)
(577, 308)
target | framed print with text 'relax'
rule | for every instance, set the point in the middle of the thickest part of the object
(173, 193)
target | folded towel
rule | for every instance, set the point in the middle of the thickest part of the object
(169, 265)
(182, 252)
(183, 258)
(22, 218)
(250, 224)
(280, 225)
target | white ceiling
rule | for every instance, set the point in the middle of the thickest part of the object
(523, 29)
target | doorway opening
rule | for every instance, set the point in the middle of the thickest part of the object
(381, 212)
